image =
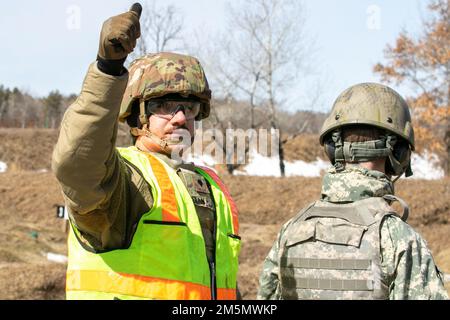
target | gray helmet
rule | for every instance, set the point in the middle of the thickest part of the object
(375, 105)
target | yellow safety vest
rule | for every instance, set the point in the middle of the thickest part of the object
(167, 256)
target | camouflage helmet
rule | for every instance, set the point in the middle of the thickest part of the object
(371, 104)
(155, 75)
(374, 105)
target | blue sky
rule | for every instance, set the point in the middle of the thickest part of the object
(44, 49)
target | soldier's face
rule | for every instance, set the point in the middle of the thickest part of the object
(178, 132)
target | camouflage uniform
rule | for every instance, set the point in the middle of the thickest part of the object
(407, 267)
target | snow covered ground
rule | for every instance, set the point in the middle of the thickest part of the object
(205, 160)
(265, 166)
(3, 167)
(425, 166)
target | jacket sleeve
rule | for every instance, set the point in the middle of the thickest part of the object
(90, 171)
(269, 282)
(408, 264)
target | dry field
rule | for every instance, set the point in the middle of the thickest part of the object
(29, 228)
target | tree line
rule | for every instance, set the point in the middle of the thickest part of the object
(19, 109)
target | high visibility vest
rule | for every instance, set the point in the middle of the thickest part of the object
(167, 256)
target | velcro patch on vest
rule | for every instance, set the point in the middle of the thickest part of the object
(330, 230)
(204, 201)
(339, 232)
(197, 187)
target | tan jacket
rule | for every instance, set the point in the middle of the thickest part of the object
(105, 195)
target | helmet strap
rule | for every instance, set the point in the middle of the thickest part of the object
(367, 151)
(364, 151)
(391, 140)
(396, 178)
(143, 118)
(338, 151)
(145, 131)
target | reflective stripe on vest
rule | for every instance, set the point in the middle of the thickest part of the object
(167, 257)
(168, 202)
(135, 285)
(227, 194)
(140, 286)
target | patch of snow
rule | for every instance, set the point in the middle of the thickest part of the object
(260, 165)
(426, 166)
(3, 167)
(447, 277)
(306, 169)
(58, 258)
(203, 160)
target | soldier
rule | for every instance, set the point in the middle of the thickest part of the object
(351, 244)
(144, 225)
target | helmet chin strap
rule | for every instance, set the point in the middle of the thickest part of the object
(396, 178)
(145, 131)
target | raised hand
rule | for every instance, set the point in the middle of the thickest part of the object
(119, 34)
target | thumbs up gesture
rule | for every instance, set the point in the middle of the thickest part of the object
(119, 34)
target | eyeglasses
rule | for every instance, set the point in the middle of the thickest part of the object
(167, 109)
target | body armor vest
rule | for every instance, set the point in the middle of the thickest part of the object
(332, 251)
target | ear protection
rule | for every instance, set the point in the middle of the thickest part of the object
(330, 149)
(402, 153)
(331, 142)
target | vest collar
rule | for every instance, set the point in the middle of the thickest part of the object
(175, 164)
(355, 183)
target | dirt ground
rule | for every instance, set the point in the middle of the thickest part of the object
(29, 228)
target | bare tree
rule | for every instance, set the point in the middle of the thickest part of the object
(161, 29)
(53, 108)
(230, 114)
(5, 95)
(19, 109)
(261, 55)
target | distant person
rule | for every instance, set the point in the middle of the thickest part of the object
(351, 244)
(144, 225)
